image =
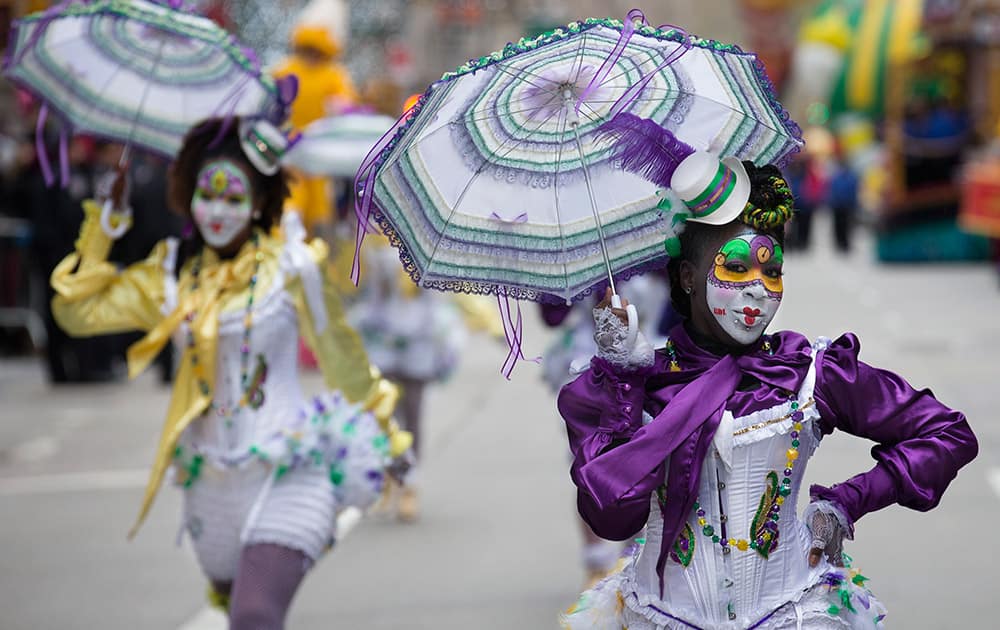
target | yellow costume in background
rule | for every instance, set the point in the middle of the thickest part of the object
(93, 297)
(322, 83)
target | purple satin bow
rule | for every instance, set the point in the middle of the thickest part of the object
(683, 430)
(521, 218)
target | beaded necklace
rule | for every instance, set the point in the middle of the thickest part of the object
(253, 395)
(764, 527)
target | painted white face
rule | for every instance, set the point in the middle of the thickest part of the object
(221, 203)
(744, 286)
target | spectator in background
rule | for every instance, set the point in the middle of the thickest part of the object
(842, 197)
(55, 216)
(807, 181)
(325, 88)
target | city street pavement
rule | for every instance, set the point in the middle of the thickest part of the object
(497, 545)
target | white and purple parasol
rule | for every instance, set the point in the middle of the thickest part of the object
(336, 146)
(139, 72)
(502, 178)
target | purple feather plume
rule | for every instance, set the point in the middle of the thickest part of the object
(645, 148)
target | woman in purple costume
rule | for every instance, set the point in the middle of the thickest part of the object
(703, 443)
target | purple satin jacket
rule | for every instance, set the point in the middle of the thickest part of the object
(618, 462)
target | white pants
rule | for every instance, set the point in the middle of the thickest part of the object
(228, 509)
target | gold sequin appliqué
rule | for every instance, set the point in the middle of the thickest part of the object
(767, 423)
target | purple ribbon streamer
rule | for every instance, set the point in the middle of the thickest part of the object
(42, 154)
(364, 194)
(628, 29)
(63, 158)
(633, 92)
(513, 330)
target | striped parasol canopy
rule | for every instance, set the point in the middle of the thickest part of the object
(500, 181)
(336, 146)
(140, 72)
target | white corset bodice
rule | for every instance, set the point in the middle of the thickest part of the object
(736, 589)
(226, 432)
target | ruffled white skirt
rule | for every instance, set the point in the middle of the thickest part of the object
(287, 487)
(838, 601)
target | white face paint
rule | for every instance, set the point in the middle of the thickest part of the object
(221, 204)
(744, 287)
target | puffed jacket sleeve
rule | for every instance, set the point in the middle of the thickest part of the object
(338, 347)
(602, 409)
(94, 297)
(920, 443)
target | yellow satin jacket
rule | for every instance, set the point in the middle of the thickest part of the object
(94, 297)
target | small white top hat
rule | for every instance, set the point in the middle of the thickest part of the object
(715, 191)
(263, 144)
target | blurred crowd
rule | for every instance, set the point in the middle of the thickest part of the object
(893, 135)
(41, 223)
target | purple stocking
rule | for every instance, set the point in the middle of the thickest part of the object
(408, 410)
(266, 581)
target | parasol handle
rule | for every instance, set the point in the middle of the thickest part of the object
(633, 318)
(574, 121)
(113, 222)
(116, 216)
(119, 188)
(126, 154)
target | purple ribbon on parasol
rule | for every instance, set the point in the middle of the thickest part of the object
(513, 330)
(628, 29)
(363, 209)
(42, 152)
(121, 95)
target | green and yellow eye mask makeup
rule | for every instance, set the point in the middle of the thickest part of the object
(747, 259)
(743, 287)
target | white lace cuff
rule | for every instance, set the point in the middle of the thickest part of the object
(832, 509)
(611, 337)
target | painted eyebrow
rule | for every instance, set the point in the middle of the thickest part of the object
(737, 248)
(779, 255)
(204, 183)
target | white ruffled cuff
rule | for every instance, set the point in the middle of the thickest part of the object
(834, 510)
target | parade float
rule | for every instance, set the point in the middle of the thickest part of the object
(910, 90)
